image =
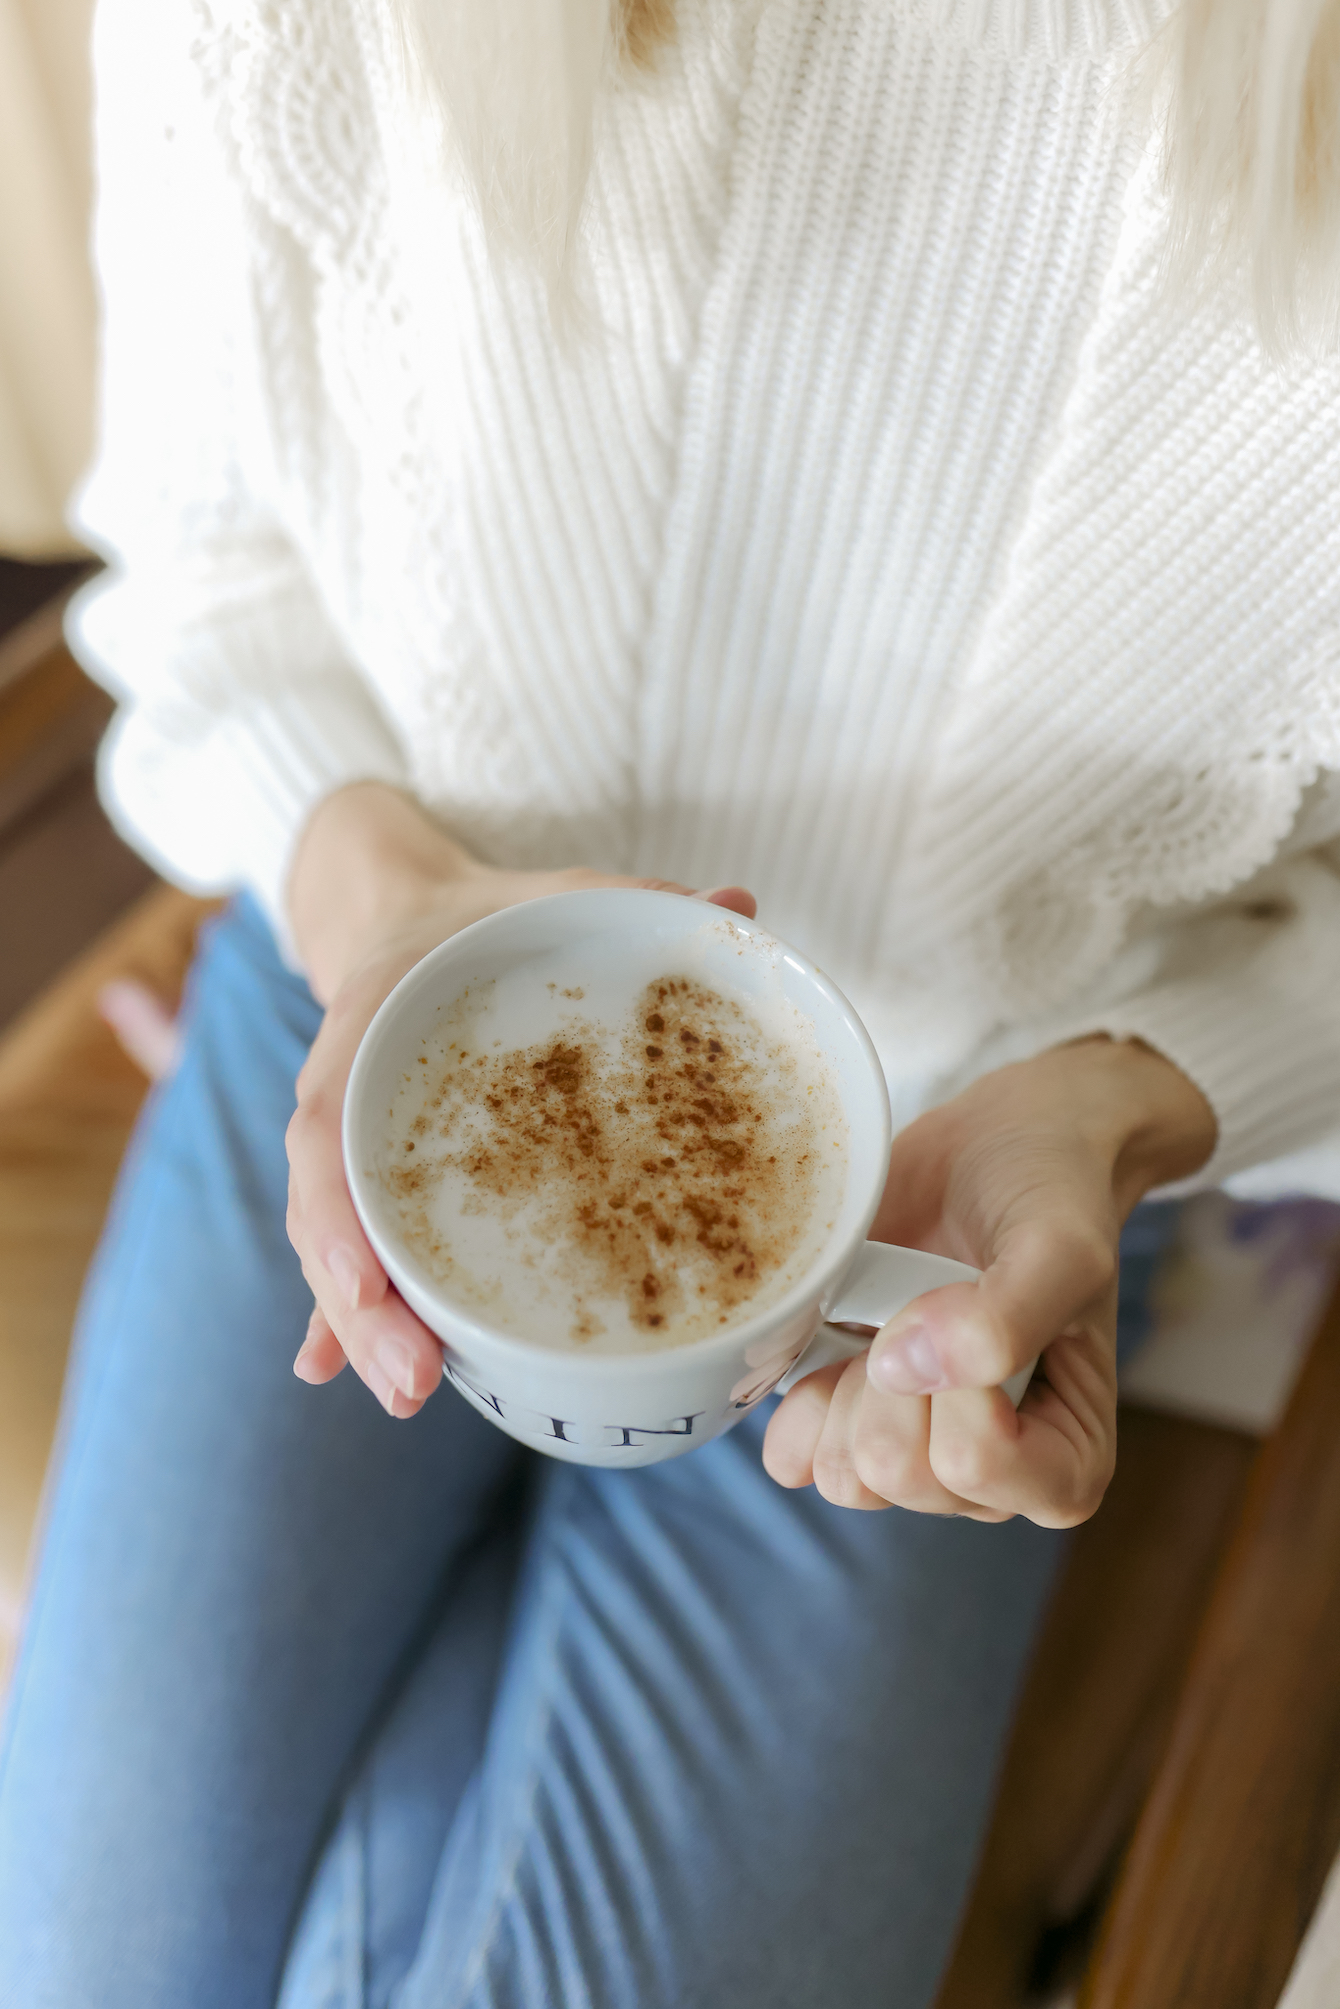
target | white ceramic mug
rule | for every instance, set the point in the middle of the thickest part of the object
(637, 1408)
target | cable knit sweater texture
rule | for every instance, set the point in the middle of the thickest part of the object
(889, 540)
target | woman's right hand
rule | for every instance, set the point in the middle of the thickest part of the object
(375, 885)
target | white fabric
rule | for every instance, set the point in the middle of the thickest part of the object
(887, 540)
(1315, 1980)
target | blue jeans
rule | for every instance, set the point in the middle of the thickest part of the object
(394, 1713)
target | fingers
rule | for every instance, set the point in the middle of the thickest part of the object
(961, 1451)
(1015, 1175)
(887, 1442)
(320, 1357)
(393, 1352)
(359, 1317)
(837, 1467)
(1051, 1291)
(1053, 1461)
(796, 1425)
(860, 1449)
(144, 1024)
(871, 1451)
(964, 1452)
(1048, 1273)
(390, 1349)
(736, 899)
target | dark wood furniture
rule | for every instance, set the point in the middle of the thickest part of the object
(64, 874)
(1175, 1764)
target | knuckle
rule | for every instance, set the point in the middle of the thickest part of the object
(311, 1116)
(313, 1283)
(1093, 1259)
(1092, 1487)
(887, 1470)
(995, 1358)
(784, 1457)
(836, 1478)
(1081, 1499)
(959, 1463)
(1071, 1513)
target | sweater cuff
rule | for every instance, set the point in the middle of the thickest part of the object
(283, 758)
(240, 712)
(1271, 1078)
(226, 810)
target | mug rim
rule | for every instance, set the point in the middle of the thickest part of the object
(826, 1270)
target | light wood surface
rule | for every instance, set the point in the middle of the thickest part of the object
(68, 1099)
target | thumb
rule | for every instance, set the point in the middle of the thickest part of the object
(736, 899)
(1052, 1266)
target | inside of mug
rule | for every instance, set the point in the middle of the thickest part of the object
(641, 932)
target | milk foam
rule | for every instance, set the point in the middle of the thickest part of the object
(611, 1148)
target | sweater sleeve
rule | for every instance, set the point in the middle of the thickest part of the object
(239, 705)
(1243, 996)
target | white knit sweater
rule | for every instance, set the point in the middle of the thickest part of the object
(890, 541)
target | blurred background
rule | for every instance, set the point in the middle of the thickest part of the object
(62, 872)
(46, 291)
(80, 913)
(1170, 1807)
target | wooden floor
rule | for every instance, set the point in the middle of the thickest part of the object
(68, 1100)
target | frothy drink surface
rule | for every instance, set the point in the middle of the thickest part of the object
(616, 1164)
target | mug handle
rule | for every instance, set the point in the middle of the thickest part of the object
(881, 1280)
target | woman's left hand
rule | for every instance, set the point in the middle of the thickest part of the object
(1028, 1175)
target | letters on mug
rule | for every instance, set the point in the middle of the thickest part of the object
(679, 1426)
(682, 1427)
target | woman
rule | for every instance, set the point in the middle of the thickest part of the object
(756, 446)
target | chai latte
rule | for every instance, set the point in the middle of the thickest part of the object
(615, 1159)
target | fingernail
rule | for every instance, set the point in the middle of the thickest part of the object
(345, 1275)
(385, 1391)
(308, 1346)
(906, 1363)
(397, 1363)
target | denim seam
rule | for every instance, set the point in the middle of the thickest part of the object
(523, 1810)
(354, 1910)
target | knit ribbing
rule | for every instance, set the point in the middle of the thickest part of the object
(885, 539)
(1158, 681)
(879, 373)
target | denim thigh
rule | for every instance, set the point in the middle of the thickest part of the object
(235, 1566)
(742, 1752)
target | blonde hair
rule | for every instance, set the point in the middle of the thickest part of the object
(1250, 104)
(512, 86)
(1252, 157)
